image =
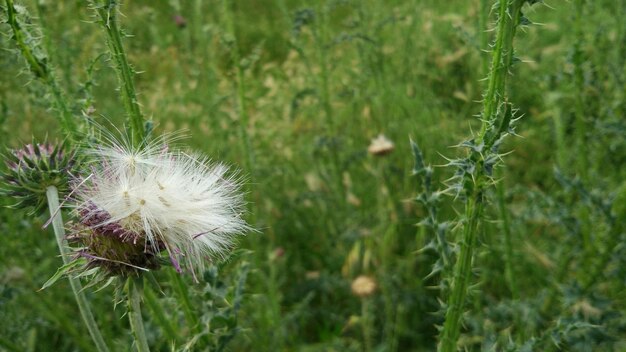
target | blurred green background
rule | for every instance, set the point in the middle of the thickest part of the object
(322, 79)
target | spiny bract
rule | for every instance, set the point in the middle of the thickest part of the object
(159, 198)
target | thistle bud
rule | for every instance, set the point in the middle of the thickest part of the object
(31, 170)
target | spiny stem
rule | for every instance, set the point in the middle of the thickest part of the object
(483, 17)
(135, 293)
(41, 70)
(59, 232)
(476, 181)
(107, 10)
(502, 57)
(462, 271)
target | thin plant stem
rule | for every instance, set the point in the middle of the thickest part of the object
(153, 303)
(582, 166)
(579, 105)
(366, 324)
(135, 293)
(183, 297)
(321, 35)
(59, 232)
(49, 309)
(107, 10)
(508, 245)
(560, 140)
(320, 41)
(9, 346)
(241, 88)
(613, 239)
(42, 71)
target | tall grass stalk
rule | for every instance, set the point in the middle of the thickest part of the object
(182, 294)
(9, 346)
(247, 152)
(165, 322)
(508, 241)
(477, 179)
(38, 64)
(107, 11)
(579, 104)
(321, 36)
(134, 287)
(83, 305)
(367, 323)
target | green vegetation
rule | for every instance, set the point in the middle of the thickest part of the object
(517, 244)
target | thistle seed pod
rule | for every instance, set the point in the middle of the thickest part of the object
(138, 203)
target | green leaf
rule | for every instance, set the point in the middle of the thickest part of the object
(418, 168)
(60, 272)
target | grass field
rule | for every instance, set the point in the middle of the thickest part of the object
(291, 93)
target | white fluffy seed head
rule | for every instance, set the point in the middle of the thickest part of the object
(170, 198)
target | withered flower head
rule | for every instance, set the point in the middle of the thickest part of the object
(137, 203)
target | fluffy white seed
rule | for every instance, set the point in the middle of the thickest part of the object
(183, 201)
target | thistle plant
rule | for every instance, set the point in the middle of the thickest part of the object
(107, 12)
(138, 205)
(36, 175)
(474, 173)
(27, 40)
(135, 204)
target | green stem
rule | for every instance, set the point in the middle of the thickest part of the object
(135, 293)
(108, 14)
(476, 181)
(41, 70)
(560, 141)
(59, 232)
(562, 270)
(159, 315)
(462, 271)
(579, 81)
(483, 35)
(320, 41)
(183, 296)
(241, 88)
(508, 245)
(614, 236)
(366, 323)
(324, 90)
(502, 57)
